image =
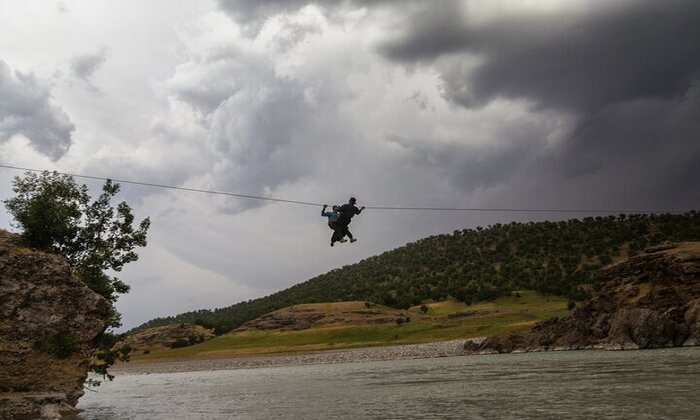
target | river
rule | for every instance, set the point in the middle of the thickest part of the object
(648, 384)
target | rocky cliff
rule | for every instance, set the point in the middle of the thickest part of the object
(650, 300)
(49, 322)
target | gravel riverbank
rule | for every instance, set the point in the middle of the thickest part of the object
(411, 351)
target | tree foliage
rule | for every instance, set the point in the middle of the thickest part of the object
(57, 215)
(473, 265)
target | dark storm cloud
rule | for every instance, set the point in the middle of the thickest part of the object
(649, 148)
(478, 167)
(579, 61)
(643, 154)
(623, 73)
(628, 73)
(26, 108)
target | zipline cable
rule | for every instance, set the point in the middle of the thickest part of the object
(515, 210)
(307, 203)
(172, 187)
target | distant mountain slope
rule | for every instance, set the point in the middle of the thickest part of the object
(472, 265)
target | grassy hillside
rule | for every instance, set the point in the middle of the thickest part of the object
(472, 265)
(445, 320)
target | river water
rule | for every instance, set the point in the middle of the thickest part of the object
(648, 384)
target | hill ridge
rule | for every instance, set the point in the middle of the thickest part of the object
(471, 265)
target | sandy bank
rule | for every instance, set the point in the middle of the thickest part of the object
(411, 351)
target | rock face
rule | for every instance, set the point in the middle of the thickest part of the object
(49, 322)
(650, 300)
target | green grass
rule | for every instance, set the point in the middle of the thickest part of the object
(529, 301)
(504, 315)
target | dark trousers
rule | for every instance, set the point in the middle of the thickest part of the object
(343, 222)
(337, 231)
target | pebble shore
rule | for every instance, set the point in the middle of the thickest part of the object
(411, 351)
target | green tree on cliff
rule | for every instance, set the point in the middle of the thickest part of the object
(57, 215)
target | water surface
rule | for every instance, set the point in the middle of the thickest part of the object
(649, 384)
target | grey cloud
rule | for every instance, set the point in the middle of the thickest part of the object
(479, 167)
(255, 139)
(578, 62)
(26, 108)
(420, 100)
(427, 31)
(642, 154)
(252, 119)
(649, 150)
(251, 10)
(616, 67)
(628, 73)
(292, 34)
(253, 13)
(206, 85)
(85, 66)
(61, 7)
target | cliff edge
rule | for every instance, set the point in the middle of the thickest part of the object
(647, 301)
(49, 322)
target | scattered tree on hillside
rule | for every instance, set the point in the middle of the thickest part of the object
(560, 257)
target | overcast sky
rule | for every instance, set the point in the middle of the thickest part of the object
(493, 103)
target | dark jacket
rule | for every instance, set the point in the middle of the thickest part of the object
(349, 210)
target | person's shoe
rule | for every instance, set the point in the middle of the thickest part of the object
(353, 240)
(342, 240)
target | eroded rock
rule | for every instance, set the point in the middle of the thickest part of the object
(650, 300)
(692, 320)
(49, 322)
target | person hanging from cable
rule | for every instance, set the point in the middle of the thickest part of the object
(347, 211)
(333, 217)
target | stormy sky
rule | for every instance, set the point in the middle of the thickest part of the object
(529, 104)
